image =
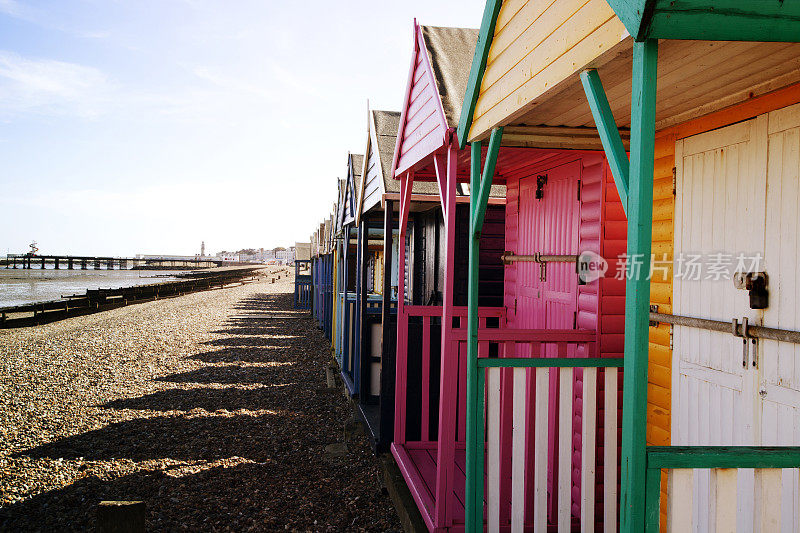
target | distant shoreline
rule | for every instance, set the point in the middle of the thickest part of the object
(102, 299)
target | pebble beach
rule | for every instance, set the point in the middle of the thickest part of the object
(212, 408)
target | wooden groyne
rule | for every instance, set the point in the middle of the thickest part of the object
(95, 300)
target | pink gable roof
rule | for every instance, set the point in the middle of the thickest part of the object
(434, 94)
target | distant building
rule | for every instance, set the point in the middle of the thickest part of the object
(172, 257)
(285, 257)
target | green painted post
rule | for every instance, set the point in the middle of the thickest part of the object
(485, 37)
(652, 500)
(480, 187)
(637, 287)
(472, 336)
(480, 449)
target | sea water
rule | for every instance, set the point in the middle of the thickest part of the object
(18, 286)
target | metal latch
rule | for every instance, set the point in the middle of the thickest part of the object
(747, 339)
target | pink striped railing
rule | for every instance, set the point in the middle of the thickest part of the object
(549, 442)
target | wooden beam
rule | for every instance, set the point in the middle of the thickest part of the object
(723, 457)
(609, 134)
(448, 379)
(486, 179)
(631, 13)
(637, 288)
(557, 137)
(441, 177)
(388, 333)
(432, 198)
(724, 20)
(485, 37)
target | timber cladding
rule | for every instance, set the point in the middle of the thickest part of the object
(537, 45)
(659, 386)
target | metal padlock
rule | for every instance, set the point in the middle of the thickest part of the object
(757, 286)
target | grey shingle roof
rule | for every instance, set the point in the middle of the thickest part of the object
(450, 51)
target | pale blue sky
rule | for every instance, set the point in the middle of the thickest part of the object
(146, 126)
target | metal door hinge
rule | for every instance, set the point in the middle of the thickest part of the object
(579, 190)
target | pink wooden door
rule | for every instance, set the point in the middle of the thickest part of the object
(549, 225)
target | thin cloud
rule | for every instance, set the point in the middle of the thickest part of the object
(46, 85)
(50, 87)
(15, 9)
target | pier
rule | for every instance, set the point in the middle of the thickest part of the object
(75, 262)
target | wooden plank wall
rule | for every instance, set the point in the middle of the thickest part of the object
(659, 378)
(659, 398)
(372, 185)
(536, 46)
(422, 124)
(490, 284)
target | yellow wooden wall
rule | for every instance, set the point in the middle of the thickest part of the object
(659, 378)
(537, 45)
(659, 374)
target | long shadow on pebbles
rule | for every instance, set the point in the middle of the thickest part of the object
(257, 341)
(206, 438)
(235, 374)
(249, 328)
(245, 355)
(274, 397)
(240, 497)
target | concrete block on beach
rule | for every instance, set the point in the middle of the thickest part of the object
(335, 451)
(120, 517)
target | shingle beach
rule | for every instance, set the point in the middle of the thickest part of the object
(211, 407)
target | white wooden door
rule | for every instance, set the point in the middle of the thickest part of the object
(719, 207)
(779, 363)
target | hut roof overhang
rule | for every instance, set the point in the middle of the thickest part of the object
(710, 20)
(539, 98)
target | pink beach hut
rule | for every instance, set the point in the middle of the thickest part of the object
(558, 202)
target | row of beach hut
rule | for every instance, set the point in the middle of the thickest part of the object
(561, 282)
